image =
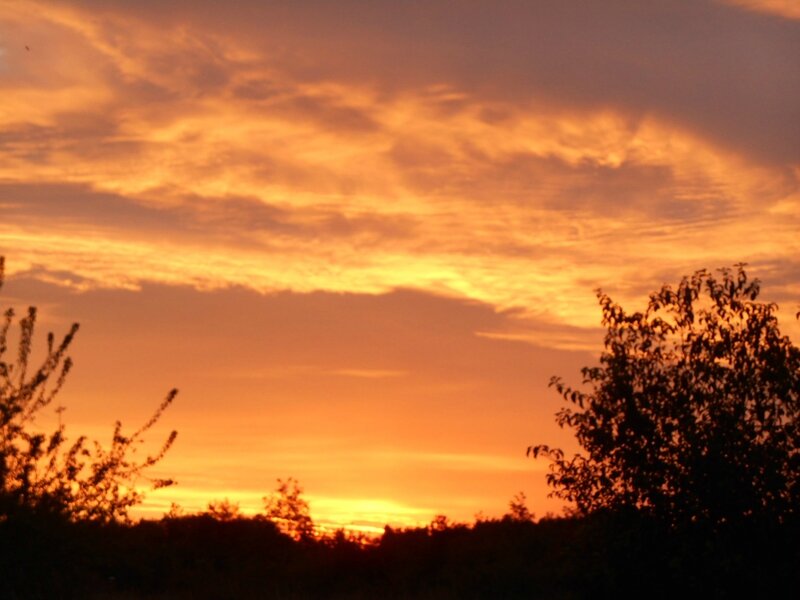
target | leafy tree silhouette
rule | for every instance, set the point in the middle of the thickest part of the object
(289, 511)
(41, 472)
(694, 412)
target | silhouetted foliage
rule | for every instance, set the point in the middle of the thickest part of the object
(45, 472)
(289, 511)
(518, 508)
(223, 510)
(694, 412)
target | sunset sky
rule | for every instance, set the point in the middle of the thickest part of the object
(360, 236)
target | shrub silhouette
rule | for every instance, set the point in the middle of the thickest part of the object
(42, 472)
(692, 415)
(224, 510)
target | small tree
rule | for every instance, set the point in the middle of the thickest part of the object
(42, 472)
(289, 511)
(693, 413)
(224, 510)
(518, 509)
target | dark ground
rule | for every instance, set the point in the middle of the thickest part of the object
(603, 556)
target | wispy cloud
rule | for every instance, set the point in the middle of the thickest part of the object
(368, 373)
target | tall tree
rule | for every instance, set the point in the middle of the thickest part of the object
(693, 413)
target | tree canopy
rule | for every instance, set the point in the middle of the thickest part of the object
(42, 471)
(693, 413)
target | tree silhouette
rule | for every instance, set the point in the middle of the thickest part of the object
(518, 509)
(42, 472)
(224, 510)
(693, 413)
(289, 511)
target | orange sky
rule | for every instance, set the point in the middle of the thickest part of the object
(361, 236)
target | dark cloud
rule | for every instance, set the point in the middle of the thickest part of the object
(257, 89)
(85, 134)
(728, 73)
(327, 112)
(66, 204)
(237, 220)
(779, 278)
(588, 187)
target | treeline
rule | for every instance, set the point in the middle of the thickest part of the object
(205, 556)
